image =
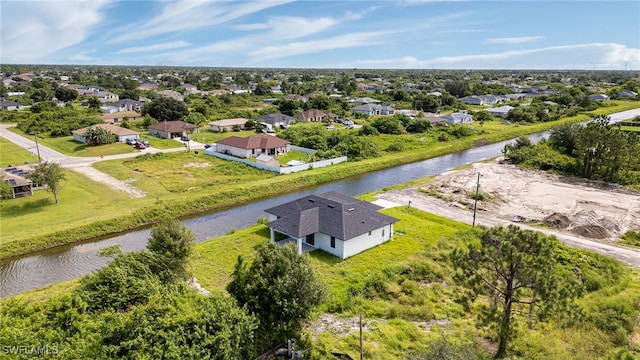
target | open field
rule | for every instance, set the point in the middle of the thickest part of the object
(15, 155)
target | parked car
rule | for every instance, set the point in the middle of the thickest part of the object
(185, 138)
(146, 143)
(130, 141)
(206, 146)
(139, 145)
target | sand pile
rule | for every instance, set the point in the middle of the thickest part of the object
(557, 220)
(591, 231)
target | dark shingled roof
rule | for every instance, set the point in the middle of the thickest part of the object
(331, 213)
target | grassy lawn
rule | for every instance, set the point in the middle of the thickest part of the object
(159, 143)
(81, 202)
(13, 154)
(293, 155)
(207, 136)
(68, 146)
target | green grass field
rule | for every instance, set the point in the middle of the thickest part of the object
(12, 154)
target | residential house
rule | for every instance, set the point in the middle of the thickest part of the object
(598, 97)
(625, 94)
(500, 112)
(171, 94)
(373, 109)
(435, 120)
(228, 124)
(333, 222)
(171, 129)
(10, 105)
(457, 118)
(295, 97)
(104, 96)
(315, 115)
(116, 117)
(217, 92)
(189, 87)
(122, 105)
(17, 179)
(473, 100)
(365, 100)
(253, 146)
(122, 134)
(276, 120)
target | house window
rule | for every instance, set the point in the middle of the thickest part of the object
(369, 233)
(333, 242)
(310, 239)
(383, 233)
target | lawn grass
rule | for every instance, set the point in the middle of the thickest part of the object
(68, 146)
(13, 154)
(81, 202)
(176, 187)
(293, 155)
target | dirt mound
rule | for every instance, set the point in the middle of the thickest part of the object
(588, 219)
(611, 224)
(585, 217)
(557, 220)
(591, 231)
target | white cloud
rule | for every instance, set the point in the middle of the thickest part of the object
(187, 15)
(156, 47)
(597, 56)
(513, 40)
(33, 29)
(314, 46)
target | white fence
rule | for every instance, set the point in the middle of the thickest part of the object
(282, 170)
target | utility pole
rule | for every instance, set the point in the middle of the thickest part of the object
(35, 135)
(360, 317)
(475, 204)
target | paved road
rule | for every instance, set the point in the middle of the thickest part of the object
(67, 161)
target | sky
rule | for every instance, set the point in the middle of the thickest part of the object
(388, 34)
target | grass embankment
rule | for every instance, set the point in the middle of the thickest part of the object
(406, 295)
(13, 154)
(177, 190)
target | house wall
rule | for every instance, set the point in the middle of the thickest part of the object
(79, 138)
(365, 241)
(323, 242)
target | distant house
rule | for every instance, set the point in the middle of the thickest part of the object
(116, 117)
(10, 105)
(171, 129)
(171, 94)
(276, 120)
(435, 120)
(473, 100)
(457, 118)
(122, 105)
(122, 134)
(104, 96)
(598, 97)
(253, 146)
(500, 112)
(373, 109)
(315, 115)
(189, 87)
(624, 93)
(365, 100)
(227, 124)
(333, 222)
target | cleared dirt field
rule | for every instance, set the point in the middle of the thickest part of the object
(577, 211)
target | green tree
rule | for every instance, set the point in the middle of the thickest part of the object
(563, 138)
(130, 94)
(65, 94)
(195, 118)
(6, 191)
(482, 116)
(165, 108)
(96, 135)
(516, 269)
(94, 103)
(458, 88)
(388, 125)
(172, 244)
(280, 287)
(49, 174)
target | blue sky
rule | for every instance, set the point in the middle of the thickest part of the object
(390, 34)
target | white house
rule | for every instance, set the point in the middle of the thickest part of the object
(122, 134)
(598, 97)
(227, 124)
(457, 118)
(333, 222)
(10, 105)
(253, 146)
(373, 109)
(500, 112)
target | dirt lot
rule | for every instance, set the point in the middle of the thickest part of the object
(575, 210)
